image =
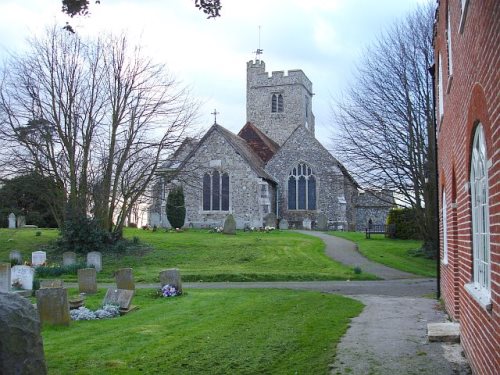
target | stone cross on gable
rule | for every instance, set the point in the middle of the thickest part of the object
(215, 113)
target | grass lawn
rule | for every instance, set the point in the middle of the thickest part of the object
(206, 332)
(201, 256)
(392, 252)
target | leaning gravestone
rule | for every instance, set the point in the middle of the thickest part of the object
(69, 258)
(21, 221)
(172, 277)
(23, 275)
(94, 258)
(283, 224)
(306, 224)
(12, 221)
(38, 258)
(4, 277)
(229, 225)
(87, 280)
(270, 220)
(322, 222)
(120, 297)
(52, 305)
(125, 279)
(44, 284)
(21, 345)
(15, 255)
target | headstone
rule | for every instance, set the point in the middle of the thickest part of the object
(306, 224)
(22, 275)
(120, 297)
(270, 220)
(12, 221)
(94, 258)
(322, 222)
(21, 221)
(38, 258)
(69, 258)
(51, 284)
(172, 277)
(52, 305)
(87, 280)
(283, 224)
(229, 225)
(4, 277)
(20, 339)
(16, 255)
(125, 279)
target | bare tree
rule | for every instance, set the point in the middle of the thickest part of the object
(385, 117)
(96, 116)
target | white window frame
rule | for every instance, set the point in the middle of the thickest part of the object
(448, 42)
(444, 217)
(464, 5)
(440, 89)
(480, 287)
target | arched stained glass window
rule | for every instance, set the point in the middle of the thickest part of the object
(301, 188)
(215, 191)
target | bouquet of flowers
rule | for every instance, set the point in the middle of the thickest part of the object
(169, 291)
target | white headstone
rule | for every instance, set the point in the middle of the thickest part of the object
(38, 258)
(306, 224)
(69, 258)
(4, 277)
(12, 221)
(94, 258)
(22, 275)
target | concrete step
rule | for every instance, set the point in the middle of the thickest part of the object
(443, 332)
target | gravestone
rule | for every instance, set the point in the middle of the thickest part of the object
(24, 275)
(283, 224)
(322, 222)
(16, 256)
(94, 258)
(120, 297)
(125, 279)
(52, 305)
(51, 284)
(172, 277)
(69, 258)
(87, 280)
(306, 224)
(270, 220)
(38, 258)
(229, 225)
(20, 339)
(12, 221)
(21, 221)
(4, 277)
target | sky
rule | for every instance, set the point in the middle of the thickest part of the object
(324, 38)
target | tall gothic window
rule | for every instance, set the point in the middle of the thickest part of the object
(277, 103)
(480, 214)
(301, 188)
(215, 191)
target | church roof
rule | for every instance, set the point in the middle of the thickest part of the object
(175, 160)
(260, 143)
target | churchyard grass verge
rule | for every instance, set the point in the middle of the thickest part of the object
(206, 331)
(394, 253)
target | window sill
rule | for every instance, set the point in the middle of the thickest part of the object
(480, 295)
(215, 212)
(450, 81)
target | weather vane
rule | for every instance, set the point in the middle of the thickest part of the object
(259, 51)
(215, 113)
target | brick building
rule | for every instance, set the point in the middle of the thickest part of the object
(274, 164)
(467, 78)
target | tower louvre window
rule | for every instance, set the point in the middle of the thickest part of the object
(277, 103)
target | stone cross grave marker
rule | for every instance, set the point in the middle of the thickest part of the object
(38, 258)
(51, 284)
(94, 258)
(24, 275)
(5, 277)
(283, 224)
(52, 305)
(87, 280)
(306, 224)
(12, 221)
(16, 255)
(125, 279)
(322, 222)
(120, 297)
(171, 276)
(69, 258)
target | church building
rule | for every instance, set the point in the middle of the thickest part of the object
(273, 165)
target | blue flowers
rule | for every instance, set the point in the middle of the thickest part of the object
(169, 291)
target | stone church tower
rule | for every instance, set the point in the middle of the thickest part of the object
(279, 103)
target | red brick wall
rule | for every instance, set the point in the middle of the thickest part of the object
(472, 96)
